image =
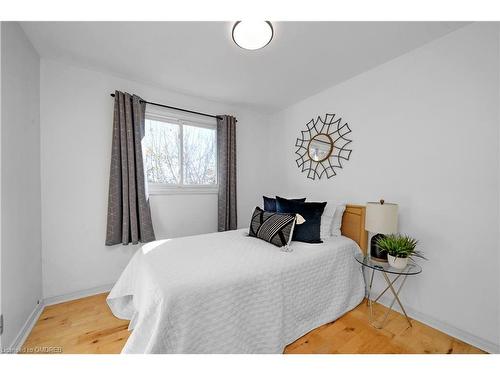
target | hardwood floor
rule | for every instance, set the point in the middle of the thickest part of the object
(87, 326)
(84, 325)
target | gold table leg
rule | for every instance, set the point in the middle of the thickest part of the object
(390, 286)
(396, 297)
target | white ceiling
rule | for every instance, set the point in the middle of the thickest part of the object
(199, 58)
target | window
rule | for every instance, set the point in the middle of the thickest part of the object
(180, 154)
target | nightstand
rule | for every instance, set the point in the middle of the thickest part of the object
(411, 269)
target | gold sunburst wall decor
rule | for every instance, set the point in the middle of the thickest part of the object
(323, 146)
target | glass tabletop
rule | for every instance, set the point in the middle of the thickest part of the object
(411, 269)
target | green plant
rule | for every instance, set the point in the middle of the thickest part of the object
(399, 246)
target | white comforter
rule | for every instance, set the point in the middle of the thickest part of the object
(230, 293)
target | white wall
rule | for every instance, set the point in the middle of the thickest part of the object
(20, 191)
(76, 126)
(425, 135)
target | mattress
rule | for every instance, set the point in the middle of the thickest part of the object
(230, 293)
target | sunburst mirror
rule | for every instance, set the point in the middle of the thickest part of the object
(323, 146)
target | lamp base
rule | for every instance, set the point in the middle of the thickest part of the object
(376, 253)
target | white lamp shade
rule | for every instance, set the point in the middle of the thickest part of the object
(381, 218)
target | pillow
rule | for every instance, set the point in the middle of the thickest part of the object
(337, 220)
(310, 211)
(270, 203)
(325, 230)
(273, 227)
(331, 220)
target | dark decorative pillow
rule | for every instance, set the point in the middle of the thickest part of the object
(272, 227)
(310, 211)
(270, 203)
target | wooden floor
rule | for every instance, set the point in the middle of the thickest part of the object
(87, 326)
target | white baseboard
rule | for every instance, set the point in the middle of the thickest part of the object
(26, 329)
(458, 333)
(75, 295)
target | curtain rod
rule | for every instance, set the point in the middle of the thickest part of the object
(179, 109)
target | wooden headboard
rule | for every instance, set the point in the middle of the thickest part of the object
(353, 225)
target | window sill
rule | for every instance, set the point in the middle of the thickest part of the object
(180, 190)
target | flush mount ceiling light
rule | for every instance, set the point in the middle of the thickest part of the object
(252, 35)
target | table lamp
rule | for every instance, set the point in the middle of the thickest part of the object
(381, 219)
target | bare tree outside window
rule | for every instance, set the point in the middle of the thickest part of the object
(162, 154)
(199, 156)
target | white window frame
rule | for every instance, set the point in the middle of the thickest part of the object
(163, 115)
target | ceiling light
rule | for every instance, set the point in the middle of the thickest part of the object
(252, 35)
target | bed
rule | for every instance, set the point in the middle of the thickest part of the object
(231, 293)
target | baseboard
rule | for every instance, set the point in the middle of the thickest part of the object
(76, 295)
(453, 331)
(26, 329)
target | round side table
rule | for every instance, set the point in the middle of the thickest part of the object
(385, 269)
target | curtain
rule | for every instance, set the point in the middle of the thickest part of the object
(226, 148)
(129, 216)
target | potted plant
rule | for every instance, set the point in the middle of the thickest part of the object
(399, 248)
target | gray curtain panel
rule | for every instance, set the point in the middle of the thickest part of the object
(129, 216)
(226, 147)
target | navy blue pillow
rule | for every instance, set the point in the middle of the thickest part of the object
(270, 203)
(310, 211)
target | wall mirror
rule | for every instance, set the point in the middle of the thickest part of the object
(323, 146)
(320, 147)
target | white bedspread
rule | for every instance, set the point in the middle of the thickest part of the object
(230, 293)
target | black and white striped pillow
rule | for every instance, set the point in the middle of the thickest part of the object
(275, 228)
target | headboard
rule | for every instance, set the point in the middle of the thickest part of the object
(353, 225)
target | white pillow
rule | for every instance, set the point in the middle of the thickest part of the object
(331, 220)
(337, 220)
(325, 229)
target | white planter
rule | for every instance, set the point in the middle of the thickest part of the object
(399, 263)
